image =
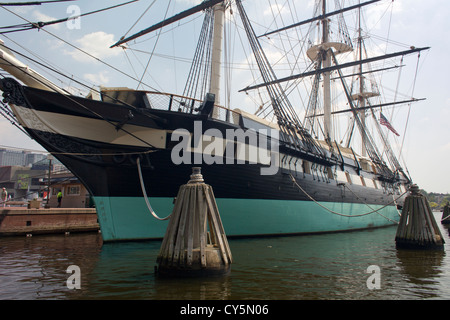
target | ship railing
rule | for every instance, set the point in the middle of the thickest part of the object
(178, 103)
(174, 102)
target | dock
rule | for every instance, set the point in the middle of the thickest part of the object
(23, 221)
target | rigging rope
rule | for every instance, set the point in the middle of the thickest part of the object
(79, 49)
(101, 117)
(103, 154)
(154, 47)
(8, 115)
(409, 109)
(198, 77)
(39, 25)
(31, 3)
(139, 19)
(144, 193)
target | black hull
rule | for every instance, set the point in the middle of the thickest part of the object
(109, 169)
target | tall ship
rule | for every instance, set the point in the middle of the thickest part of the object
(312, 154)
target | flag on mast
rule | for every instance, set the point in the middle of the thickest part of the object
(386, 123)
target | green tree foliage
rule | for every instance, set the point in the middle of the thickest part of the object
(437, 200)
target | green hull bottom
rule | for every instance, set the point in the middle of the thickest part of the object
(128, 218)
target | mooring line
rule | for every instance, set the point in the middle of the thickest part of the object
(346, 215)
(144, 193)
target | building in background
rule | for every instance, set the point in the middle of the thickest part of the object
(75, 195)
(25, 175)
(10, 157)
(22, 183)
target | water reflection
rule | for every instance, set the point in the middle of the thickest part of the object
(214, 288)
(329, 266)
(35, 268)
(422, 270)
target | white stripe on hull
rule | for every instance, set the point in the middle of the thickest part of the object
(89, 129)
(131, 135)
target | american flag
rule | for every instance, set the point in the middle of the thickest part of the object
(386, 123)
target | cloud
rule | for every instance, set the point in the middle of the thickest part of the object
(42, 17)
(192, 2)
(97, 44)
(375, 13)
(447, 102)
(100, 78)
(276, 9)
(445, 147)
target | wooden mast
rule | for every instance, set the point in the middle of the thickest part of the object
(216, 58)
(341, 66)
(204, 5)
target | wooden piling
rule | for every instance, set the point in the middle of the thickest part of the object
(446, 215)
(195, 243)
(417, 228)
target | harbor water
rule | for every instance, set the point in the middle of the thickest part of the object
(361, 265)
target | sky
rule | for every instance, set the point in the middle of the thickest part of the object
(426, 141)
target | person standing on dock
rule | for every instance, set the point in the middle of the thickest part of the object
(59, 199)
(4, 196)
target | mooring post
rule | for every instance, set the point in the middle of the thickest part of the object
(195, 243)
(417, 228)
(446, 215)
